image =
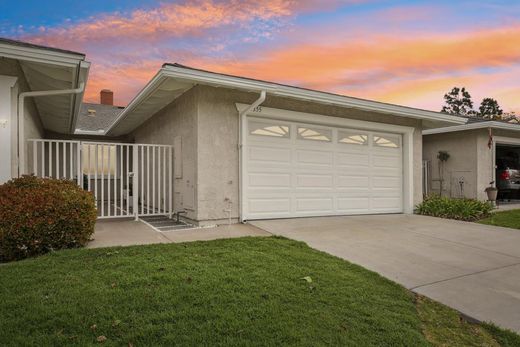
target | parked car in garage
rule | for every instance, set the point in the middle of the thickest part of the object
(508, 174)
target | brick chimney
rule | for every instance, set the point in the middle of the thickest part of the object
(106, 97)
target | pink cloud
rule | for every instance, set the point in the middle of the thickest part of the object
(414, 69)
(172, 20)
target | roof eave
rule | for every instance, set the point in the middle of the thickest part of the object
(299, 93)
(472, 126)
(83, 71)
(215, 79)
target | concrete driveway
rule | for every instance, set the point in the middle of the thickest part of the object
(471, 267)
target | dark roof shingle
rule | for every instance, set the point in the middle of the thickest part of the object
(101, 119)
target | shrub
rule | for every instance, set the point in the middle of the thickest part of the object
(38, 215)
(461, 209)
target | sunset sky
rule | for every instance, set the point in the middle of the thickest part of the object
(405, 52)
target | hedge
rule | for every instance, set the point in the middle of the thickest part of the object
(452, 208)
(39, 215)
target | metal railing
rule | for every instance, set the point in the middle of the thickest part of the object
(126, 179)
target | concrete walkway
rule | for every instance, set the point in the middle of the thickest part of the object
(471, 267)
(110, 233)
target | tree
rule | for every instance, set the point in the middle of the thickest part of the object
(458, 101)
(490, 109)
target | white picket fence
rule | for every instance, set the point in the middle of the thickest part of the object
(126, 179)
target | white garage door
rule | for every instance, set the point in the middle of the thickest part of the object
(294, 170)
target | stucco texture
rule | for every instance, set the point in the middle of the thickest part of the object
(207, 121)
(218, 144)
(177, 120)
(470, 158)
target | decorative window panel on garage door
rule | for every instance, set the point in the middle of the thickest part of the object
(294, 170)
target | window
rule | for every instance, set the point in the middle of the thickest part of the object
(269, 129)
(352, 138)
(388, 141)
(314, 134)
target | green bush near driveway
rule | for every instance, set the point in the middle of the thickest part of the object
(38, 215)
(452, 208)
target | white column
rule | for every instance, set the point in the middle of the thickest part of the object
(7, 125)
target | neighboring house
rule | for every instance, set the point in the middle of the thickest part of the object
(41, 90)
(477, 150)
(242, 149)
(95, 119)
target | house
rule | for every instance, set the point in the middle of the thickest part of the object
(94, 119)
(476, 151)
(228, 148)
(41, 89)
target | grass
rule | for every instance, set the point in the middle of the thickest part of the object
(508, 219)
(248, 291)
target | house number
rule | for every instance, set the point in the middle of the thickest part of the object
(258, 109)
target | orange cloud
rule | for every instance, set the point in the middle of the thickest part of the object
(413, 69)
(125, 80)
(315, 65)
(172, 20)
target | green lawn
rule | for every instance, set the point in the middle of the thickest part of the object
(508, 219)
(248, 291)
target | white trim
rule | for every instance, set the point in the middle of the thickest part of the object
(21, 117)
(471, 126)
(506, 140)
(241, 131)
(220, 80)
(39, 54)
(279, 114)
(7, 125)
(300, 93)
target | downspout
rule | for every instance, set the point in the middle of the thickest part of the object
(21, 117)
(241, 123)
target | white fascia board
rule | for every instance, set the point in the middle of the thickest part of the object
(40, 55)
(84, 68)
(219, 80)
(305, 94)
(471, 126)
(152, 85)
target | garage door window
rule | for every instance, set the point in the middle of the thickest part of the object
(352, 138)
(269, 129)
(314, 134)
(387, 141)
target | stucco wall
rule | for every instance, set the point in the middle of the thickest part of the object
(177, 119)
(217, 138)
(462, 148)
(32, 126)
(470, 158)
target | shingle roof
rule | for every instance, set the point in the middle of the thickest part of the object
(31, 45)
(101, 119)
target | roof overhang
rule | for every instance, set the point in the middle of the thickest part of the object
(47, 69)
(472, 126)
(173, 80)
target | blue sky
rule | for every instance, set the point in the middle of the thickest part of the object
(406, 52)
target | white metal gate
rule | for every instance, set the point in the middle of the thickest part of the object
(126, 179)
